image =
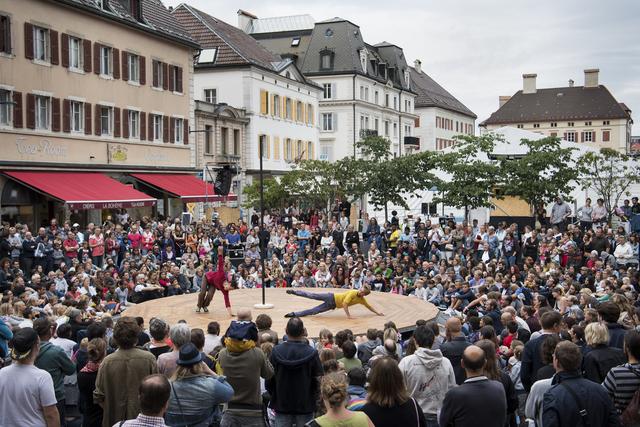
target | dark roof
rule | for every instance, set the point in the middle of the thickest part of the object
(559, 104)
(156, 19)
(431, 94)
(235, 47)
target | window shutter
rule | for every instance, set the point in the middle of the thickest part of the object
(86, 46)
(28, 42)
(302, 119)
(55, 53)
(64, 39)
(125, 66)
(312, 155)
(333, 91)
(273, 104)
(179, 79)
(172, 130)
(55, 114)
(593, 136)
(276, 148)
(143, 70)
(165, 76)
(185, 130)
(283, 110)
(313, 116)
(335, 121)
(96, 58)
(116, 122)
(31, 111)
(66, 115)
(150, 127)
(115, 55)
(125, 122)
(154, 67)
(87, 118)
(264, 95)
(165, 128)
(294, 150)
(294, 110)
(143, 126)
(98, 125)
(581, 136)
(17, 110)
(171, 81)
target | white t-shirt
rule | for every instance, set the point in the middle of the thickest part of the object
(24, 391)
(65, 344)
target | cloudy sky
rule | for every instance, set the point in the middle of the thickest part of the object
(479, 50)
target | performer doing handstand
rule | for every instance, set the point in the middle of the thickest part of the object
(215, 280)
(331, 301)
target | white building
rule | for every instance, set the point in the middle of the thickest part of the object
(280, 103)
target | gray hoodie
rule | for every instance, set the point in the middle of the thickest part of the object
(428, 376)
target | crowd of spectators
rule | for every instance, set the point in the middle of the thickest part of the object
(541, 324)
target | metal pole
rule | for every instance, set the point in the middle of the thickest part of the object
(261, 237)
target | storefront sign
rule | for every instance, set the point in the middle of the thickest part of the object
(110, 205)
(43, 148)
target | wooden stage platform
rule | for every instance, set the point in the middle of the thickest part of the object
(402, 310)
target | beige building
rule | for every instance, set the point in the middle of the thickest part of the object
(103, 89)
(586, 114)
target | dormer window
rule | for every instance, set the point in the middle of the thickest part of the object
(382, 70)
(374, 66)
(363, 60)
(135, 7)
(326, 59)
(407, 78)
(103, 4)
(295, 41)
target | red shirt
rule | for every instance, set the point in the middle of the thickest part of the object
(70, 243)
(135, 239)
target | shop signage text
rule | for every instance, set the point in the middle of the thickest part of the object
(44, 147)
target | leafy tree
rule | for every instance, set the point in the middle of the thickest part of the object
(472, 176)
(610, 174)
(275, 195)
(544, 172)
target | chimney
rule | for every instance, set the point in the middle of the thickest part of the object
(571, 82)
(591, 77)
(417, 64)
(245, 19)
(529, 83)
(503, 100)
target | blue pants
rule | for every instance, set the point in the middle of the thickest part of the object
(328, 302)
(289, 420)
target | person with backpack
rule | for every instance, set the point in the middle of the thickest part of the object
(623, 382)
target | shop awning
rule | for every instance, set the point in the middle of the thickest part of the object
(83, 190)
(186, 187)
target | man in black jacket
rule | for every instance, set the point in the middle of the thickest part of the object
(454, 347)
(479, 401)
(573, 400)
(610, 313)
(532, 357)
(297, 370)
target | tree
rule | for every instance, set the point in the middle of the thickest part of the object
(472, 175)
(610, 174)
(546, 170)
(275, 195)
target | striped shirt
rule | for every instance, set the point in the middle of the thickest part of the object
(621, 383)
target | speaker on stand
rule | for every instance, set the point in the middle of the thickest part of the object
(222, 185)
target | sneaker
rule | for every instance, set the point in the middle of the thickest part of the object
(206, 310)
(198, 310)
(292, 314)
(291, 291)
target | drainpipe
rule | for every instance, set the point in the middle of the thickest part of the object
(400, 123)
(354, 116)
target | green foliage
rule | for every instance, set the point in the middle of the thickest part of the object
(545, 172)
(610, 174)
(275, 195)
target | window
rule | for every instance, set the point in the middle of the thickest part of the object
(299, 113)
(309, 155)
(366, 94)
(309, 114)
(76, 111)
(287, 149)
(276, 105)
(264, 151)
(376, 124)
(326, 61)
(224, 139)
(158, 74)
(587, 123)
(386, 128)
(208, 139)
(570, 124)
(300, 150)
(570, 136)
(288, 107)
(75, 53)
(106, 61)
(554, 124)
(328, 90)
(375, 97)
(136, 10)
(174, 75)
(43, 112)
(133, 124)
(211, 96)
(236, 142)
(106, 120)
(395, 130)
(325, 153)
(5, 34)
(395, 103)
(6, 108)
(386, 99)
(362, 123)
(327, 121)
(361, 92)
(606, 136)
(295, 41)
(520, 126)
(588, 136)
(407, 130)
(178, 131)
(134, 67)
(157, 127)
(536, 125)
(40, 43)
(606, 123)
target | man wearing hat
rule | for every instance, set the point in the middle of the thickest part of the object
(21, 381)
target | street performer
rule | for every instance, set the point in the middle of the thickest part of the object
(331, 301)
(215, 280)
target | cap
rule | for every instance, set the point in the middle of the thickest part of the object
(189, 355)
(75, 225)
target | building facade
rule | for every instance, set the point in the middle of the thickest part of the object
(94, 87)
(281, 105)
(587, 114)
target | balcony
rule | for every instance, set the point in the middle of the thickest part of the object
(364, 133)
(412, 141)
(225, 159)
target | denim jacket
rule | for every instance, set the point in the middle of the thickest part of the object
(194, 400)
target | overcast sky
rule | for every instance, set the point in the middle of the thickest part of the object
(478, 50)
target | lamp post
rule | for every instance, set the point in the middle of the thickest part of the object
(261, 236)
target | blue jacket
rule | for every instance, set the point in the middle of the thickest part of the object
(616, 335)
(194, 400)
(5, 336)
(560, 408)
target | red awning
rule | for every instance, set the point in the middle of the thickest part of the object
(183, 186)
(83, 190)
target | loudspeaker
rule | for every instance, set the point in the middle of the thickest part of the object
(222, 185)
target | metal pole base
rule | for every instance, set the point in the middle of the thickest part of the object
(263, 306)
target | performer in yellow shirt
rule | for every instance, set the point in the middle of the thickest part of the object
(331, 301)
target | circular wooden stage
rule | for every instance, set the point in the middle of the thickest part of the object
(402, 310)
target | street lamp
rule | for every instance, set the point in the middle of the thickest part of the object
(262, 239)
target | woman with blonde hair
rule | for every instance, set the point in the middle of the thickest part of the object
(333, 389)
(627, 311)
(600, 357)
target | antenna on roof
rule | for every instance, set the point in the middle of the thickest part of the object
(571, 82)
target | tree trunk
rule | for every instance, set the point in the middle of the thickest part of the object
(386, 213)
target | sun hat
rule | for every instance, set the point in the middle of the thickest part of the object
(189, 355)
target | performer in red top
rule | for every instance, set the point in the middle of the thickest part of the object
(215, 280)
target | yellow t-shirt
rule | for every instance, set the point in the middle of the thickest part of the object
(350, 298)
(358, 419)
(393, 239)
